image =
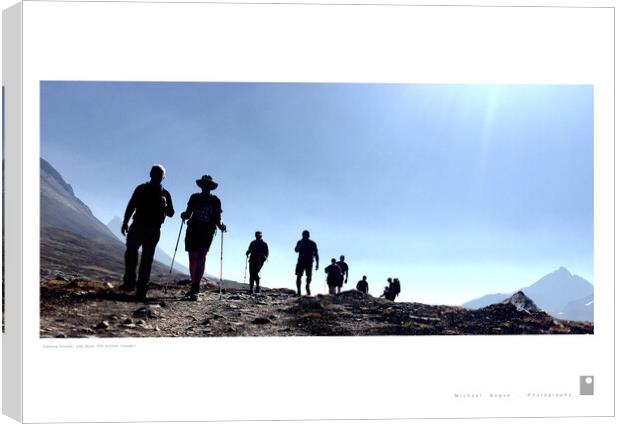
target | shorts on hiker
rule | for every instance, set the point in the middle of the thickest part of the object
(301, 268)
(198, 237)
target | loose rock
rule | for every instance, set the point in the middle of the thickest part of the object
(102, 325)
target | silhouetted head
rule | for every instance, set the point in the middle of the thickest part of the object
(258, 235)
(333, 261)
(206, 183)
(364, 278)
(396, 280)
(305, 234)
(342, 257)
(158, 173)
(389, 280)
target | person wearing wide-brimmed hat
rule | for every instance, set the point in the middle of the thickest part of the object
(203, 215)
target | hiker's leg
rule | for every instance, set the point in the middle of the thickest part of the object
(308, 278)
(149, 243)
(251, 290)
(131, 259)
(298, 272)
(253, 275)
(257, 281)
(192, 265)
(298, 281)
(201, 260)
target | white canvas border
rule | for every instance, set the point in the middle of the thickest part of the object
(43, 61)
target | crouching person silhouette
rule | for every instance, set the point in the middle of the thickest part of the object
(149, 205)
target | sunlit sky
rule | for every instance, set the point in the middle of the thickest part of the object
(458, 190)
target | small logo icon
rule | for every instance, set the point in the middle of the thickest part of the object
(586, 385)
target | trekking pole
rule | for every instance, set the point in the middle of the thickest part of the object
(175, 253)
(245, 272)
(221, 261)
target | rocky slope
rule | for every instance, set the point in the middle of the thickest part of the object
(86, 308)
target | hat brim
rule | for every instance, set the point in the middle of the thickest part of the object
(210, 185)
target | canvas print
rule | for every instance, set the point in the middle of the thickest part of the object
(211, 209)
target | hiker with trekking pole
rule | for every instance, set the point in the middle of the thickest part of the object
(203, 215)
(258, 252)
(149, 205)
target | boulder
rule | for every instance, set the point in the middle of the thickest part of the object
(523, 303)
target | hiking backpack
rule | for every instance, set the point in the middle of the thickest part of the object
(396, 287)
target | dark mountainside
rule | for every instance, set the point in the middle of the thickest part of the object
(75, 242)
(559, 293)
(84, 308)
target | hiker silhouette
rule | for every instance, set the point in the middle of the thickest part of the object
(334, 276)
(150, 203)
(258, 252)
(387, 293)
(392, 290)
(307, 253)
(362, 285)
(203, 215)
(395, 288)
(345, 272)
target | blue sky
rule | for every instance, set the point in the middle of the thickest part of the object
(458, 190)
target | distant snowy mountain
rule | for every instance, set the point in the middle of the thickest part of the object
(554, 291)
(115, 227)
(560, 294)
(579, 310)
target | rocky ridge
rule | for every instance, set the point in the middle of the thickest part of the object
(87, 308)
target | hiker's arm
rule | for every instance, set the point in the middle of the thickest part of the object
(187, 214)
(249, 249)
(297, 247)
(266, 251)
(346, 279)
(131, 207)
(218, 216)
(316, 256)
(169, 208)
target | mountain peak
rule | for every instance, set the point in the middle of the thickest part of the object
(115, 222)
(562, 270)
